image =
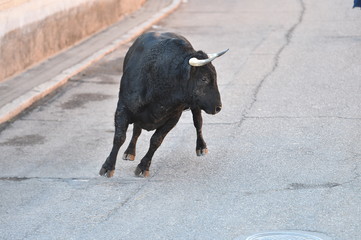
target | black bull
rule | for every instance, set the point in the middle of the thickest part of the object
(163, 76)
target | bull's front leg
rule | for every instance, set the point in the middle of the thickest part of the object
(201, 146)
(155, 142)
(129, 154)
(121, 126)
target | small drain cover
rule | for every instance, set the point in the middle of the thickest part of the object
(284, 236)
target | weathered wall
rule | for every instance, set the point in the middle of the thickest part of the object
(34, 30)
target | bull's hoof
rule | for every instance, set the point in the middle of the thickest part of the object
(201, 152)
(129, 157)
(106, 173)
(141, 173)
(146, 174)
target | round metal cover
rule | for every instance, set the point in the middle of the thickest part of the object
(283, 236)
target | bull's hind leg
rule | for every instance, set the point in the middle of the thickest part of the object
(201, 146)
(129, 154)
(121, 125)
(155, 142)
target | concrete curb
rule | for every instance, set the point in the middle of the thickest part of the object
(13, 108)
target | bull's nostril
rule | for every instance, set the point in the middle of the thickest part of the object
(218, 109)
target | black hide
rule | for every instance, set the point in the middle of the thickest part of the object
(157, 85)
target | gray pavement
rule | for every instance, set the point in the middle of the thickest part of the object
(284, 152)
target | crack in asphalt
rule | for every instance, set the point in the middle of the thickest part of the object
(276, 60)
(241, 66)
(72, 179)
(57, 179)
(302, 117)
(132, 196)
(108, 213)
(297, 187)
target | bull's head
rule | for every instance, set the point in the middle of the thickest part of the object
(206, 94)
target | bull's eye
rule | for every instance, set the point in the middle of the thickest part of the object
(205, 80)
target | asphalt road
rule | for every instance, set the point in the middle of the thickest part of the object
(284, 152)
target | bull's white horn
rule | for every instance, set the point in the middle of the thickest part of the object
(195, 62)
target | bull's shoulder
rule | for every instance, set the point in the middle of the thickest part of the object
(156, 114)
